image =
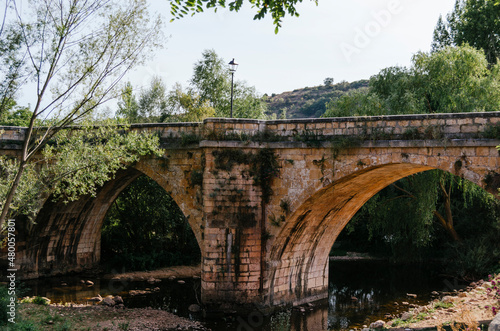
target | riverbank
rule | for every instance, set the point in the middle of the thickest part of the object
(98, 317)
(87, 315)
(465, 305)
(468, 307)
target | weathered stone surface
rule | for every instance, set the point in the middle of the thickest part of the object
(255, 251)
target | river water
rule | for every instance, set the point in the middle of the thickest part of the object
(360, 292)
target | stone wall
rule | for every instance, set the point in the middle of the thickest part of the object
(266, 241)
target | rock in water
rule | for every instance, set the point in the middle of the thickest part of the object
(194, 308)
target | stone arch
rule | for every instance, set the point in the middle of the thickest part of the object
(298, 258)
(66, 237)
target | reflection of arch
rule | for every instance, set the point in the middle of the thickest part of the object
(66, 237)
(298, 269)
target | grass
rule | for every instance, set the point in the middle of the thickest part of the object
(415, 319)
(443, 305)
(36, 317)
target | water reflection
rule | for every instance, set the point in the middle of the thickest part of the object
(361, 292)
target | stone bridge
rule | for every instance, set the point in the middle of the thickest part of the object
(267, 199)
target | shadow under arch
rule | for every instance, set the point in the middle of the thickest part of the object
(66, 236)
(298, 267)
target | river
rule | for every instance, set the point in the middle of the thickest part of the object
(360, 292)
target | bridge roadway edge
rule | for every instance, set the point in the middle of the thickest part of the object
(234, 248)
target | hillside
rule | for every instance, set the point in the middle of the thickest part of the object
(309, 102)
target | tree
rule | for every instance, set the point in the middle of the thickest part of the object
(328, 81)
(17, 116)
(76, 52)
(208, 95)
(211, 81)
(155, 104)
(453, 79)
(187, 106)
(11, 70)
(433, 213)
(77, 161)
(152, 224)
(128, 108)
(472, 22)
(277, 9)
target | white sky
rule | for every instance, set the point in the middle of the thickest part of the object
(346, 40)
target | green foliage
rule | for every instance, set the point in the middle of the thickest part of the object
(4, 301)
(76, 68)
(356, 103)
(277, 9)
(11, 63)
(453, 79)
(472, 22)
(76, 162)
(207, 96)
(400, 221)
(19, 116)
(492, 131)
(212, 82)
(443, 305)
(145, 229)
(328, 81)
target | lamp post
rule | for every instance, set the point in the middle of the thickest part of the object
(232, 69)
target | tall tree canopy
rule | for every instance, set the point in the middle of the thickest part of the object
(277, 9)
(473, 22)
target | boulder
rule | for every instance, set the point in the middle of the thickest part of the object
(406, 316)
(108, 301)
(118, 300)
(377, 325)
(495, 324)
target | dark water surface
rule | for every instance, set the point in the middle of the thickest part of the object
(360, 292)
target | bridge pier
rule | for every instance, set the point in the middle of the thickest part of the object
(267, 199)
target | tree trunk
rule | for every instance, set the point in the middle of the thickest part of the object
(447, 222)
(10, 195)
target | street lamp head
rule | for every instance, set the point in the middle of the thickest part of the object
(233, 66)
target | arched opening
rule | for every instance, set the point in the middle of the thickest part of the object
(66, 237)
(298, 269)
(145, 229)
(401, 242)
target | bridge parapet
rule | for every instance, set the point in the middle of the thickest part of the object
(422, 126)
(395, 127)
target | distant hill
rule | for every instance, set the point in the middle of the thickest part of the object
(309, 102)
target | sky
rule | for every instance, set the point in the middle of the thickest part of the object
(345, 40)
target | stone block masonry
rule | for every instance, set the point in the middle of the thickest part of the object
(271, 196)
